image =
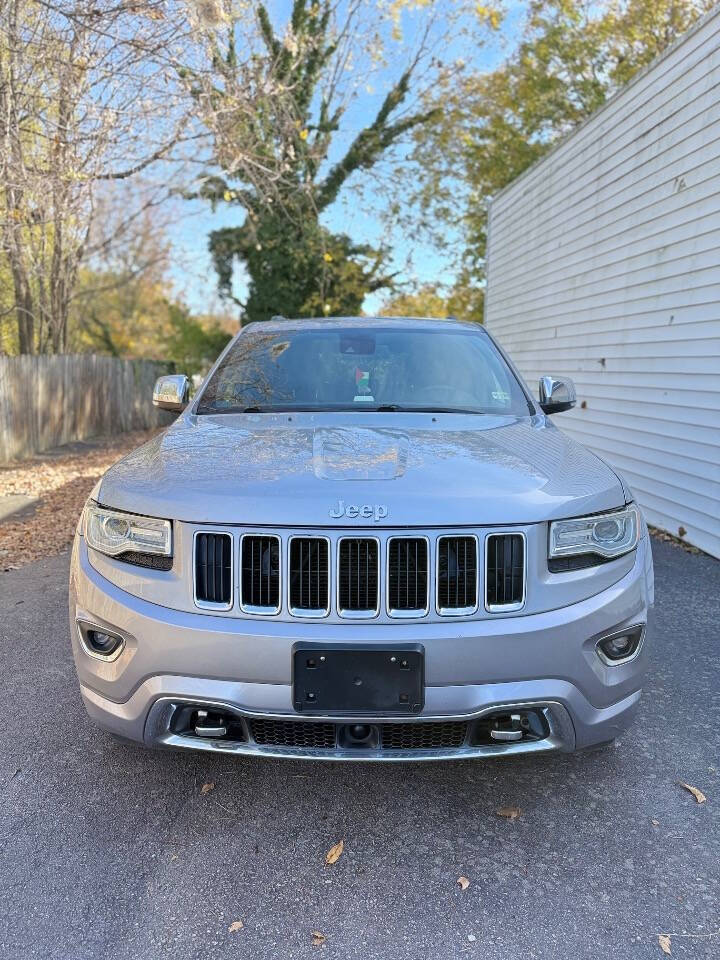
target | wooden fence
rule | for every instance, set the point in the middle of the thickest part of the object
(49, 400)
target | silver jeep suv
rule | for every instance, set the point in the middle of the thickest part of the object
(363, 539)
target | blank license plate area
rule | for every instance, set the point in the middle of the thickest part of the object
(359, 681)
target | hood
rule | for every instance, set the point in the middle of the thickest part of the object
(361, 470)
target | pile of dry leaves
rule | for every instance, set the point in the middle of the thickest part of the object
(61, 482)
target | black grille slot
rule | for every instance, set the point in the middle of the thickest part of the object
(457, 573)
(293, 733)
(423, 736)
(213, 568)
(581, 561)
(309, 576)
(407, 574)
(505, 574)
(358, 575)
(152, 561)
(260, 573)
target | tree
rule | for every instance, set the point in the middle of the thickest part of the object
(573, 55)
(84, 100)
(124, 304)
(298, 269)
(119, 304)
(430, 300)
(274, 100)
(193, 343)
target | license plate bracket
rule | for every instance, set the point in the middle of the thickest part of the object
(359, 679)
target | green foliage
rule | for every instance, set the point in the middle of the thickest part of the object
(464, 301)
(296, 266)
(126, 316)
(298, 269)
(193, 346)
(494, 125)
(119, 313)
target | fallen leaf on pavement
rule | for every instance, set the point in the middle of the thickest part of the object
(334, 853)
(463, 883)
(664, 942)
(698, 794)
(206, 788)
(235, 926)
(318, 939)
(510, 813)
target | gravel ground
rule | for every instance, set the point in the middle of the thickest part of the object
(60, 481)
(108, 850)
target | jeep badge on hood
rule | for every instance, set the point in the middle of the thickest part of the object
(367, 511)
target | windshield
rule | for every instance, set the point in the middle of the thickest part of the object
(363, 368)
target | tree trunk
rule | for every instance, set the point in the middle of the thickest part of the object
(24, 312)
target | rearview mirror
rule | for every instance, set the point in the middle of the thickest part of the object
(556, 394)
(171, 392)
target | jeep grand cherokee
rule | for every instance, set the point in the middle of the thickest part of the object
(362, 539)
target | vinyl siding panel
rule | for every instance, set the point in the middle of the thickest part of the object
(604, 265)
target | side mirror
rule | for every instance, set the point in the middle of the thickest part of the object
(171, 392)
(556, 394)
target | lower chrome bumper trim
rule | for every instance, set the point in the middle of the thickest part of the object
(561, 735)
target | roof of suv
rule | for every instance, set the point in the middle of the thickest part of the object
(437, 323)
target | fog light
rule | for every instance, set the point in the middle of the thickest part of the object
(100, 643)
(621, 646)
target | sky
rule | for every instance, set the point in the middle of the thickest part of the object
(192, 273)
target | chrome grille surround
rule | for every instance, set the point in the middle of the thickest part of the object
(506, 607)
(308, 612)
(402, 613)
(534, 540)
(456, 611)
(212, 604)
(254, 608)
(355, 613)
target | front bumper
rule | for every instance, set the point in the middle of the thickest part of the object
(546, 662)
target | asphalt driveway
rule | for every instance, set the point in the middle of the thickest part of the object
(113, 851)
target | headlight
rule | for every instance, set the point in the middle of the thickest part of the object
(113, 532)
(607, 534)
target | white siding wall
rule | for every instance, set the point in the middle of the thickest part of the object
(604, 264)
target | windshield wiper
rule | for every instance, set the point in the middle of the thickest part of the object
(397, 408)
(354, 408)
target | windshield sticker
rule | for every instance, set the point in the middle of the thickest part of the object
(500, 395)
(362, 381)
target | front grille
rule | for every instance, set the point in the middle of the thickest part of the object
(358, 580)
(293, 733)
(505, 573)
(316, 574)
(309, 576)
(260, 585)
(457, 574)
(423, 736)
(213, 569)
(407, 575)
